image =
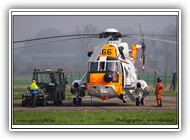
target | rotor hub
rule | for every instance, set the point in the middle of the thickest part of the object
(110, 32)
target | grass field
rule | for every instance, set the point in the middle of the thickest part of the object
(94, 118)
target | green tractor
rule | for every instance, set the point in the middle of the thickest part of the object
(51, 87)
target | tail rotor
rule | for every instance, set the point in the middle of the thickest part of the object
(142, 42)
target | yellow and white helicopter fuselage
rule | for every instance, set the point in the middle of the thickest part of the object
(111, 73)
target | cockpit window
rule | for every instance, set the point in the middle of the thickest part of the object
(94, 66)
(105, 66)
(110, 66)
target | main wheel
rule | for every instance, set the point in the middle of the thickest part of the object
(79, 101)
(75, 101)
(137, 101)
(142, 101)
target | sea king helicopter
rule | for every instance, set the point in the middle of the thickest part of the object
(111, 71)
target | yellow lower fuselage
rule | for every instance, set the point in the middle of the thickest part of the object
(98, 87)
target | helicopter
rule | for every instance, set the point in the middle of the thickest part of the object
(112, 69)
(112, 72)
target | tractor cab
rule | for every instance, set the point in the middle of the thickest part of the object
(51, 84)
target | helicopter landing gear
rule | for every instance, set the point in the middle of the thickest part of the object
(124, 99)
(140, 101)
(137, 101)
(77, 101)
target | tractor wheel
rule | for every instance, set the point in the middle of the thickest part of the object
(60, 102)
(23, 103)
(44, 102)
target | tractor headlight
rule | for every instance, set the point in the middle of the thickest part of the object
(51, 84)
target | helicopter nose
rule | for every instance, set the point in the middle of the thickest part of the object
(108, 77)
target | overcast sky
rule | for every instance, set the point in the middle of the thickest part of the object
(29, 26)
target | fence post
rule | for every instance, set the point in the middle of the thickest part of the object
(139, 76)
(174, 81)
(72, 76)
(79, 75)
(165, 78)
(155, 77)
(147, 78)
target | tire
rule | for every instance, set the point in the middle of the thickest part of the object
(137, 101)
(62, 96)
(44, 103)
(60, 102)
(23, 103)
(55, 103)
(79, 101)
(142, 101)
(75, 101)
(124, 99)
(56, 100)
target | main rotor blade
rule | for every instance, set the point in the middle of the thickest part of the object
(148, 34)
(98, 49)
(59, 36)
(43, 43)
(156, 39)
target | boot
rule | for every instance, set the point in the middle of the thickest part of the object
(160, 102)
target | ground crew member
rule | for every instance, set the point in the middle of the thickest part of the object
(33, 91)
(139, 91)
(158, 92)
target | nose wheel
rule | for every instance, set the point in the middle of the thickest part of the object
(77, 101)
(124, 99)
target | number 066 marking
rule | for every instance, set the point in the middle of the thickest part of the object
(106, 52)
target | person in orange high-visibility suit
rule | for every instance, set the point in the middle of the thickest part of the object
(158, 92)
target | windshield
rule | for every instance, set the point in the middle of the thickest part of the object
(104, 66)
(110, 66)
(94, 66)
(43, 78)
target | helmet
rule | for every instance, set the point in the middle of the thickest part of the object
(33, 81)
(159, 79)
(138, 85)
